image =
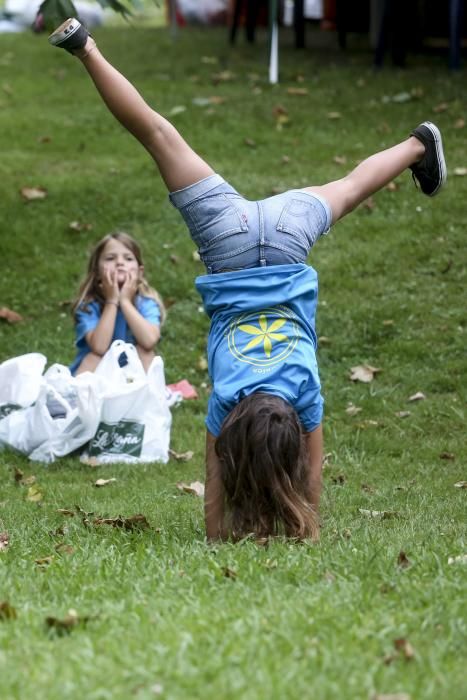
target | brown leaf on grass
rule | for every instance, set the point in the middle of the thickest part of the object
(181, 456)
(460, 559)
(22, 480)
(388, 322)
(9, 315)
(229, 573)
(34, 494)
(223, 76)
(447, 455)
(402, 414)
(249, 142)
(298, 91)
(66, 624)
(352, 410)
(403, 562)
(368, 488)
(104, 482)
(340, 160)
(340, 479)
(392, 186)
(58, 532)
(459, 123)
(66, 511)
(324, 340)
(460, 171)
(63, 548)
(32, 193)
(441, 107)
(4, 541)
(363, 373)
(196, 488)
(381, 514)
(369, 423)
(78, 226)
(134, 522)
(404, 647)
(44, 561)
(461, 485)
(7, 611)
(419, 396)
(285, 160)
(175, 259)
(202, 363)
(334, 115)
(390, 696)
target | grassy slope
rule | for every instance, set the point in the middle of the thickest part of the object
(297, 621)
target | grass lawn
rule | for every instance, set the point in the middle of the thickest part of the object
(376, 608)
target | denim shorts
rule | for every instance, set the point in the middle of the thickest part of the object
(233, 233)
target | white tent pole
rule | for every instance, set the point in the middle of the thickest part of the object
(274, 43)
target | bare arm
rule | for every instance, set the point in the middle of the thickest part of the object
(314, 442)
(214, 494)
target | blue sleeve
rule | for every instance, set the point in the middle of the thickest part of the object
(86, 317)
(149, 310)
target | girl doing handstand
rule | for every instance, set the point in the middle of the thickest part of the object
(264, 437)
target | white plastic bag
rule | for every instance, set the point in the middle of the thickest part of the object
(20, 381)
(63, 418)
(135, 418)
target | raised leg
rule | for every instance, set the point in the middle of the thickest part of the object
(369, 176)
(178, 164)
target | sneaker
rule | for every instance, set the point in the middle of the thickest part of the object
(71, 35)
(430, 171)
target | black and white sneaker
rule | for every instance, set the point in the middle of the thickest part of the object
(71, 35)
(430, 172)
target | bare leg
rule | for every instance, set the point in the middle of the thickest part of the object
(369, 176)
(146, 357)
(178, 164)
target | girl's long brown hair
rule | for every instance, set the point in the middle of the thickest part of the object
(264, 470)
(90, 289)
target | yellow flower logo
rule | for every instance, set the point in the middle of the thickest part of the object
(264, 334)
(264, 338)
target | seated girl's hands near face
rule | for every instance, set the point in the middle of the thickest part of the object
(109, 284)
(129, 288)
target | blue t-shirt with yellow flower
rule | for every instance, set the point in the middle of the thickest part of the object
(262, 338)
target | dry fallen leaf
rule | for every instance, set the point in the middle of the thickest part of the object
(419, 396)
(32, 193)
(4, 540)
(369, 204)
(300, 91)
(181, 456)
(458, 485)
(63, 548)
(249, 142)
(334, 115)
(229, 573)
(7, 611)
(368, 488)
(66, 624)
(460, 171)
(104, 482)
(392, 186)
(9, 315)
(405, 648)
(382, 514)
(66, 511)
(442, 107)
(44, 561)
(34, 494)
(447, 455)
(459, 123)
(134, 522)
(402, 414)
(460, 559)
(78, 226)
(339, 479)
(390, 696)
(196, 488)
(352, 410)
(363, 373)
(402, 560)
(340, 160)
(202, 363)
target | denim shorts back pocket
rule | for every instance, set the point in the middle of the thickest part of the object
(212, 218)
(305, 219)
